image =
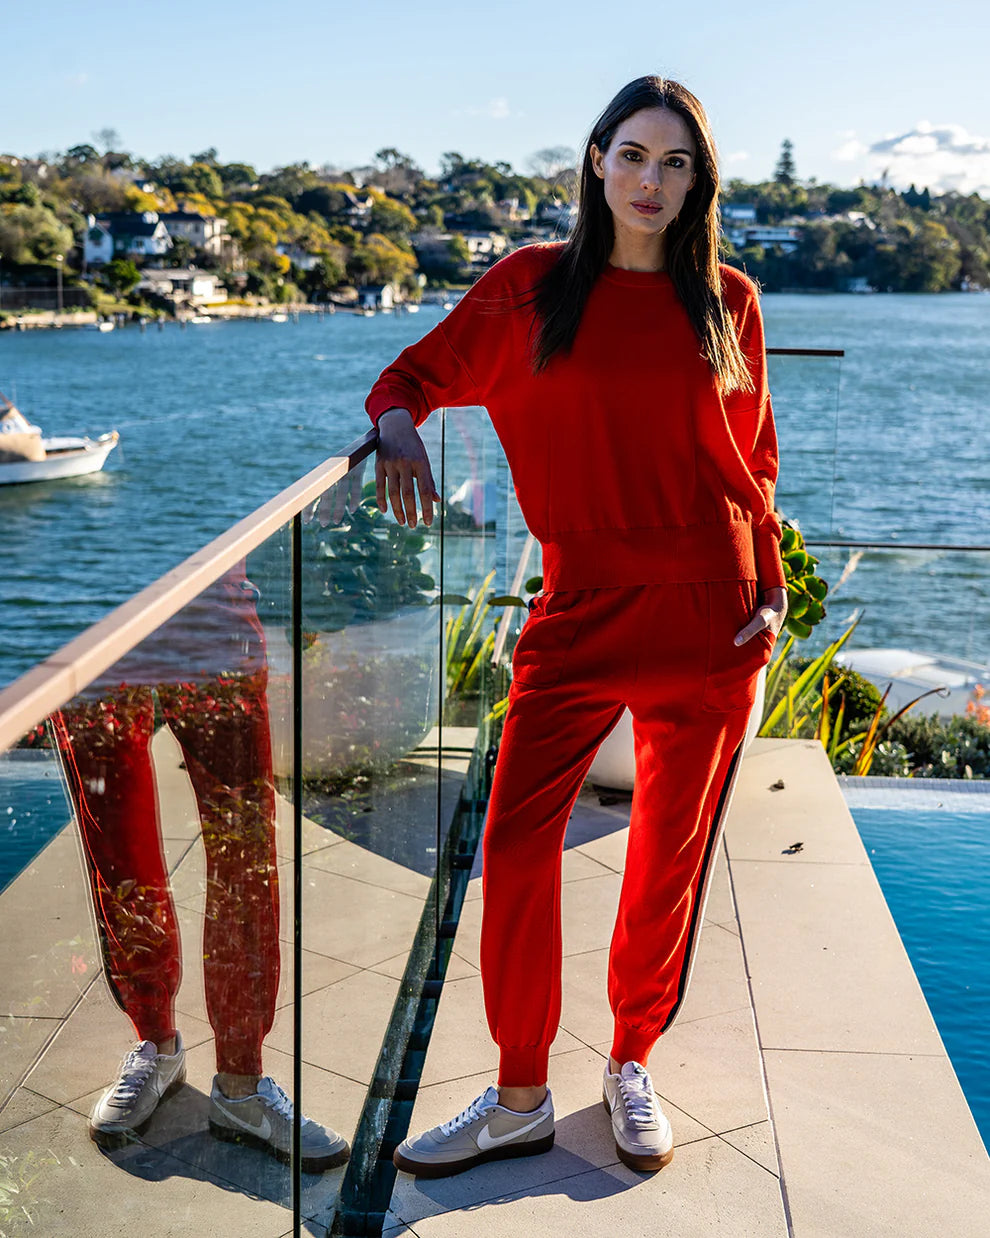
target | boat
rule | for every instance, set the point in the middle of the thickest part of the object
(909, 673)
(103, 326)
(198, 319)
(278, 316)
(26, 455)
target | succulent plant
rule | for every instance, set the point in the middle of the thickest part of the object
(806, 592)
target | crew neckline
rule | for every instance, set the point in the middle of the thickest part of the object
(636, 279)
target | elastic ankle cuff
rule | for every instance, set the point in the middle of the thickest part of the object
(525, 1067)
(632, 1044)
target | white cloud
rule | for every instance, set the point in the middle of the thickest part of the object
(737, 156)
(494, 109)
(941, 157)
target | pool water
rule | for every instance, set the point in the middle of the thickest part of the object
(33, 808)
(933, 865)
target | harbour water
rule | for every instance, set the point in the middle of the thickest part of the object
(888, 444)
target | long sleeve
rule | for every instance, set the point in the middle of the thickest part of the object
(750, 416)
(427, 375)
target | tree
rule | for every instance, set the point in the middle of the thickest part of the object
(120, 276)
(108, 138)
(391, 219)
(551, 161)
(380, 261)
(785, 172)
(32, 234)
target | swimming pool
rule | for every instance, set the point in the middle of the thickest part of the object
(33, 808)
(929, 845)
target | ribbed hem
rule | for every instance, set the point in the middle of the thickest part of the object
(609, 558)
(525, 1067)
(632, 1044)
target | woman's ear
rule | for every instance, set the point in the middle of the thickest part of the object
(597, 161)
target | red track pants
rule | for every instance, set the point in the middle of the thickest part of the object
(666, 651)
(223, 729)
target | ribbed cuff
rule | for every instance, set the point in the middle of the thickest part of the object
(632, 1044)
(525, 1067)
(766, 551)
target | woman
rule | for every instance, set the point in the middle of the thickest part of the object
(624, 372)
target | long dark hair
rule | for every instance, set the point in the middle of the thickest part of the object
(692, 241)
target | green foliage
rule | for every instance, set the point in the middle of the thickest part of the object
(360, 568)
(32, 234)
(120, 275)
(805, 591)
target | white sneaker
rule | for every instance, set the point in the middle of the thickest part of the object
(264, 1121)
(146, 1077)
(643, 1138)
(484, 1131)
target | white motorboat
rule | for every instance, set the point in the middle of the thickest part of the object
(278, 316)
(26, 455)
(910, 673)
(199, 319)
(103, 326)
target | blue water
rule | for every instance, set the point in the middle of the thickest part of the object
(33, 808)
(934, 868)
(890, 444)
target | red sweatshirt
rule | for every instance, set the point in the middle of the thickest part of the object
(629, 466)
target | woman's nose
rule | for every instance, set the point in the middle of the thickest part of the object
(651, 177)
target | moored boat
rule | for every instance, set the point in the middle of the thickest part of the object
(26, 455)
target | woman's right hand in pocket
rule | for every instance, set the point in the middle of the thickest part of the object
(401, 467)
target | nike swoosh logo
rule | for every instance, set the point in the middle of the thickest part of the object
(262, 1129)
(487, 1141)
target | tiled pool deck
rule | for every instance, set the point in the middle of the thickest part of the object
(808, 1087)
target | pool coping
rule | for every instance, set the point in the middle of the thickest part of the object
(873, 1133)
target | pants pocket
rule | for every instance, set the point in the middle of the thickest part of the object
(732, 670)
(547, 637)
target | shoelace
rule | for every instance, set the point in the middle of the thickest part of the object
(135, 1071)
(270, 1091)
(477, 1108)
(637, 1096)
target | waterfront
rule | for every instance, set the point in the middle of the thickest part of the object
(216, 419)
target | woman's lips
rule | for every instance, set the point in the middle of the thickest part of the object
(646, 208)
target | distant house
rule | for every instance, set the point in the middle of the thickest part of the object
(136, 234)
(563, 214)
(206, 232)
(485, 247)
(97, 242)
(785, 239)
(739, 214)
(298, 256)
(184, 285)
(358, 207)
(376, 296)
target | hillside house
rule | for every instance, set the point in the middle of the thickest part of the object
(205, 232)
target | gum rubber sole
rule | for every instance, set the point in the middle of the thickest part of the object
(309, 1164)
(645, 1164)
(446, 1169)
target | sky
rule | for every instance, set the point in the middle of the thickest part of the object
(862, 88)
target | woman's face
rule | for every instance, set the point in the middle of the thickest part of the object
(648, 170)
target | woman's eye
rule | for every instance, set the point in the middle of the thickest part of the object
(676, 163)
(632, 156)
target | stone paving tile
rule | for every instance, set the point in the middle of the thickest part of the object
(461, 1045)
(21, 1042)
(50, 953)
(855, 1127)
(69, 1186)
(757, 1142)
(343, 1025)
(705, 1190)
(842, 996)
(22, 1107)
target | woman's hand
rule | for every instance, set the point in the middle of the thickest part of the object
(771, 614)
(402, 458)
